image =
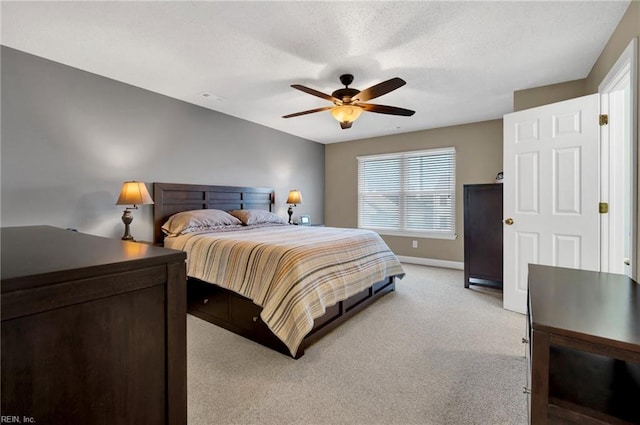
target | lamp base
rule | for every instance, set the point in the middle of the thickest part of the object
(127, 218)
(290, 212)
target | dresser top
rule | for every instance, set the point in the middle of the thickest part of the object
(47, 254)
(595, 306)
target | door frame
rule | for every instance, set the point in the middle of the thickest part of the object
(625, 68)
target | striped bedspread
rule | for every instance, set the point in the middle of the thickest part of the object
(293, 272)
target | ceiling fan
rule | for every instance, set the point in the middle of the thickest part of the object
(348, 103)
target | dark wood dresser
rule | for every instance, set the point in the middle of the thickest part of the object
(483, 234)
(93, 329)
(584, 329)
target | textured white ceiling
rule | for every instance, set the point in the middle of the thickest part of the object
(461, 60)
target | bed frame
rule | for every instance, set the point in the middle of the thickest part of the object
(226, 308)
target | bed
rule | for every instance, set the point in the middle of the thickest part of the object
(310, 285)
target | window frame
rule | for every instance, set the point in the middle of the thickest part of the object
(403, 193)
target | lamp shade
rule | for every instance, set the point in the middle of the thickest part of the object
(295, 197)
(134, 193)
(346, 113)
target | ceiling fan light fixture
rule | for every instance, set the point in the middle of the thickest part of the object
(349, 103)
(346, 113)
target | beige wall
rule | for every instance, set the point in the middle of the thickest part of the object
(627, 29)
(538, 96)
(478, 160)
(478, 149)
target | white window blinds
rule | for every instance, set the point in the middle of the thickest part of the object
(410, 193)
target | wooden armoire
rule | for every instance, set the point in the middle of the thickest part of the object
(483, 234)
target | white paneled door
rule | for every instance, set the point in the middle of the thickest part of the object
(551, 192)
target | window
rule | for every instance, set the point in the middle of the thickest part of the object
(409, 193)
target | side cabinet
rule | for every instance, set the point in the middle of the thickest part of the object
(585, 347)
(483, 234)
(93, 329)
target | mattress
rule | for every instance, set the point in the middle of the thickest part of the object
(293, 272)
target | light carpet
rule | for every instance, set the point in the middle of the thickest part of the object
(432, 352)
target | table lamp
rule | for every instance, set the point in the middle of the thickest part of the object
(133, 193)
(295, 198)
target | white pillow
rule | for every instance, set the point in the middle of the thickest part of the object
(251, 217)
(198, 220)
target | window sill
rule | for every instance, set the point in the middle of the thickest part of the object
(414, 234)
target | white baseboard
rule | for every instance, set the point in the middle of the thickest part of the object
(458, 265)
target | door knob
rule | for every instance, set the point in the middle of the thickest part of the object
(508, 221)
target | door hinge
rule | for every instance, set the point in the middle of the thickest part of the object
(603, 119)
(603, 207)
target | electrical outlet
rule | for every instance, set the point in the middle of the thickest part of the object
(414, 244)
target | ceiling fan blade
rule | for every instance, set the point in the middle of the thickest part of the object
(379, 89)
(315, 93)
(310, 111)
(345, 125)
(383, 109)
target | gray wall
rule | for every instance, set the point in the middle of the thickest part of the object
(70, 138)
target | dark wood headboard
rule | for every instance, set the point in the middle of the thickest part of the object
(171, 198)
